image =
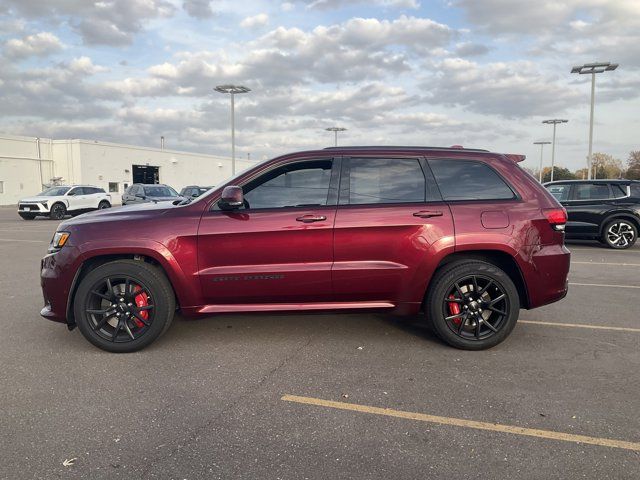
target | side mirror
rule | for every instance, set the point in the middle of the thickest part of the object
(194, 195)
(232, 198)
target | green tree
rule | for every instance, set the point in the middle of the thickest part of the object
(559, 173)
(581, 173)
(633, 166)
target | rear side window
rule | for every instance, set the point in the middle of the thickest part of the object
(619, 191)
(560, 192)
(382, 180)
(469, 180)
(590, 191)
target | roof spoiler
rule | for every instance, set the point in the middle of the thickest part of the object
(514, 157)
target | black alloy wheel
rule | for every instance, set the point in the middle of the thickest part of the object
(58, 212)
(472, 304)
(123, 306)
(103, 204)
(620, 234)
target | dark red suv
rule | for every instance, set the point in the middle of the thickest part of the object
(463, 235)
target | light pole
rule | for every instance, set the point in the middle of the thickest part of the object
(592, 68)
(542, 144)
(233, 90)
(554, 122)
(335, 131)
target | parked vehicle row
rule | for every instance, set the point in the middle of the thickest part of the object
(604, 210)
(144, 193)
(464, 236)
(57, 202)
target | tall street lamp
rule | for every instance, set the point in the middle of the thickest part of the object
(592, 68)
(542, 144)
(554, 122)
(233, 90)
(335, 131)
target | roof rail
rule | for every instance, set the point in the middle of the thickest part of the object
(406, 147)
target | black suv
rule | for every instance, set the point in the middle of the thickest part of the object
(605, 210)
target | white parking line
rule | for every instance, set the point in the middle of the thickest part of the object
(603, 285)
(607, 263)
(601, 250)
(21, 240)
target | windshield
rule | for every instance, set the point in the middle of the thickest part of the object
(54, 192)
(160, 191)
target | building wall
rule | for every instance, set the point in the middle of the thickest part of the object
(99, 163)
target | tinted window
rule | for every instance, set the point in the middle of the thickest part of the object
(293, 185)
(561, 192)
(75, 191)
(469, 180)
(382, 180)
(160, 191)
(635, 189)
(54, 191)
(619, 191)
(590, 191)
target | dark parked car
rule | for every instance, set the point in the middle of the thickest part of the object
(605, 210)
(142, 193)
(193, 191)
(465, 236)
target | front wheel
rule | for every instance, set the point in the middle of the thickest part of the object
(472, 305)
(123, 306)
(58, 211)
(619, 234)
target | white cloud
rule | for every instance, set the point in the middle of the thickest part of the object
(40, 44)
(255, 21)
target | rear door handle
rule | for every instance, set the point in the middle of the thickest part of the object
(311, 218)
(427, 214)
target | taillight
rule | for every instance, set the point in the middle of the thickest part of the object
(557, 217)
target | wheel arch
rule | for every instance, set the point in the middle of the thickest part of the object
(500, 259)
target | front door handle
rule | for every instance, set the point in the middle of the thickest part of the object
(427, 214)
(311, 218)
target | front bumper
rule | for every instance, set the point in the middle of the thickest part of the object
(57, 276)
(33, 207)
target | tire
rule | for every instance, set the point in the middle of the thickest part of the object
(619, 233)
(462, 318)
(120, 308)
(103, 204)
(27, 216)
(58, 211)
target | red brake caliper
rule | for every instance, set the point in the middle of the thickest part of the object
(141, 301)
(454, 308)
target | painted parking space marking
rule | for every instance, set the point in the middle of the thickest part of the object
(460, 422)
(602, 285)
(21, 240)
(581, 325)
(606, 263)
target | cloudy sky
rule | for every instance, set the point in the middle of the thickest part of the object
(481, 73)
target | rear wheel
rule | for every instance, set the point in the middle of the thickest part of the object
(123, 306)
(57, 212)
(103, 204)
(472, 305)
(619, 233)
(27, 216)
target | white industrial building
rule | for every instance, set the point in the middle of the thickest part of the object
(29, 163)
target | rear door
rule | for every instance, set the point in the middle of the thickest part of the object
(278, 249)
(588, 207)
(389, 218)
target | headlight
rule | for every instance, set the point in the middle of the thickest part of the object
(59, 241)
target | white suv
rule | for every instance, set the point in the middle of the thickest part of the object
(56, 202)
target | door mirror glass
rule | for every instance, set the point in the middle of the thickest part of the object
(232, 197)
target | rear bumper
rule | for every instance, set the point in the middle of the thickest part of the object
(546, 274)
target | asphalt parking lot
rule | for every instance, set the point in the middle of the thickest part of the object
(324, 396)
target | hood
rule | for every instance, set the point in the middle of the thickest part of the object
(127, 212)
(38, 199)
(164, 199)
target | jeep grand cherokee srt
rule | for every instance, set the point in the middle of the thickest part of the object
(464, 236)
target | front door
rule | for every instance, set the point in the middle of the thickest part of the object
(389, 217)
(587, 207)
(278, 248)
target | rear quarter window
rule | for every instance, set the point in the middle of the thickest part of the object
(469, 180)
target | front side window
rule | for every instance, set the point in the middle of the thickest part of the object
(386, 180)
(560, 192)
(294, 185)
(591, 191)
(619, 191)
(469, 180)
